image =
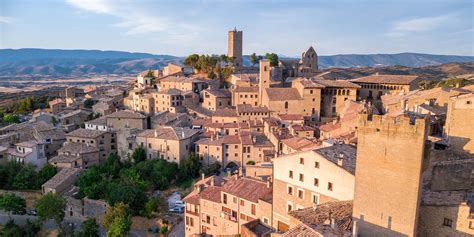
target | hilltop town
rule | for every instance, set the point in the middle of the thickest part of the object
(211, 147)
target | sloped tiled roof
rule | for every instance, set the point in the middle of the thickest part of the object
(336, 83)
(248, 188)
(126, 114)
(343, 151)
(221, 93)
(280, 94)
(319, 217)
(249, 89)
(169, 133)
(386, 79)
(77, 148)
(225, 113)
(85, 133)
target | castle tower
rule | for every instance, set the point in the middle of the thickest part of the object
(235, 47)
(309, 59)
(263, 79)
(390, 156)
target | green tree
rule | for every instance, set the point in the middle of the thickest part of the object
(211, 74)
(89, 228)
(10, 229)
(190, 167)
(152, 205)
(139, 155)
(150, 74)
(45, 174)
(254, 59)
(12, 204)
(11, 118)
(117, 220)
(273, 58)
(212, 169)
(191, 60)
(88, 103)
(51, 206)
(25, 178)
(54, 120)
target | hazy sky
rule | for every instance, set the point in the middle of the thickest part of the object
(285, 27)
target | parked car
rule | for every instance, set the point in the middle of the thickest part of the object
(177, 209)
(179, 203)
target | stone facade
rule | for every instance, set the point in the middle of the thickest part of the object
(460, 129)
(390, 156)
(235, 47)
(307, 178)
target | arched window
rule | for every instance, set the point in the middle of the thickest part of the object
(286, 104)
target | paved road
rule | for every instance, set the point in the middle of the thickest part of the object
(178, 230)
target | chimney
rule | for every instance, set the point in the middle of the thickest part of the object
(340, 159)
(333, 223)
(182, 134)
(254, 139)
(269, 184)
(212, 181)
(377, 73)
(334, 121)
(203, 176)
(156, 133)
(236, 176)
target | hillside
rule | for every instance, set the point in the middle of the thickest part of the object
(52, 63)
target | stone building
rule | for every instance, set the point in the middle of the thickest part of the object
(246, 95)
(221, 207)
(57, 105)
(169, 143)
(126, 119)
(307, 178)
(306, 66)
(76, 155)
(460, 123)
(140, 100)
(373, 87)
(390, 157)
(235, 47)
(194, 84)
(334, 96)
(62, 181)
(28, 152)
(214, 99)
(233, 151)
(173, 100)
(103, 140)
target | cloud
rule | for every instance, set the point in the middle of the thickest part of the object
(6, 19)
(97, 6)
(132, 18)
(417, 25)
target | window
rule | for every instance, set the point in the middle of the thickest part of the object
(254, 209)
(316, 182)
(300, 194)
(290, 190)
(448, 222)
(242, 202)
(301, 177)
(289, 207)
(471, 225)
(234, 200)
(468, 102)
(329, 186)
(316, 165)
(290, 174)
(302, 161)
(286, 104)
(224, 198)
(315, 199)
(242, 216)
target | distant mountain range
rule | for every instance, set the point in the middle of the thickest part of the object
(17, 63)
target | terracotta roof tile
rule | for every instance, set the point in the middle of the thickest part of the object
(386, 79)
(280, 94)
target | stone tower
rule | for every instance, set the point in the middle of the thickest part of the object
(235, 47)
(309, 59)
(390, 156)
(263, 78)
